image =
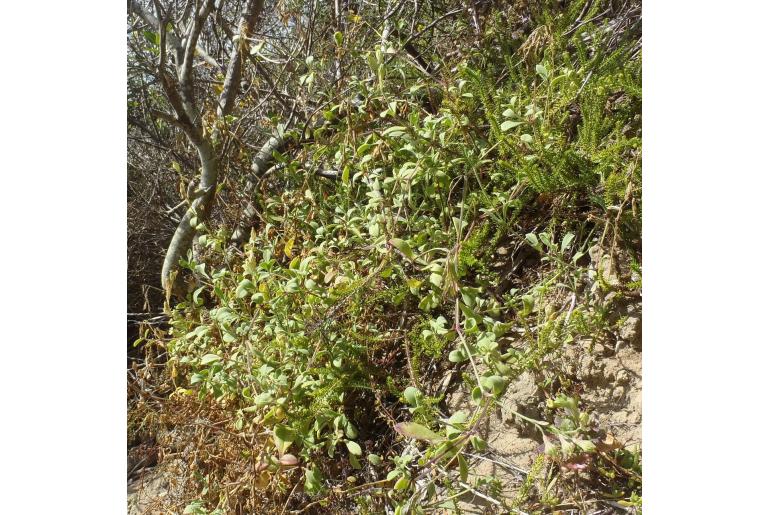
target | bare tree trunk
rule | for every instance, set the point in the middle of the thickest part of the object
(180, 93)
(259, 165)
(200, 207)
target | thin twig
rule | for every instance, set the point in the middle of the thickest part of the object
(502, 464)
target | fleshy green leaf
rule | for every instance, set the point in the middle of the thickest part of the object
(495, 384)
(411, 394)
(509, 124)
(209, 358)
(313, 480)
(283, 433)
(532, 240)
(393, 474)
(586, 445)
(476, 395)
(567, 241)
(394, 132)
(402, 483)
(416, 431)
(244, 288)
(529, 304)
(403, 247)
(353, 447)
(196, 296)
(478, 443)
(463, 465)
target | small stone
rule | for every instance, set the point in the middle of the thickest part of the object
(631, 330)
(595, 254)
(633, 309)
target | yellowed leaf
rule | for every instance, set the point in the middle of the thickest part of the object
(288, 247)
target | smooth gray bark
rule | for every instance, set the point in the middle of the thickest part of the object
(233, 77)
(200, 207)
(180, 90)
(259, 165)
(172, 41)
